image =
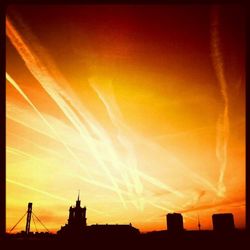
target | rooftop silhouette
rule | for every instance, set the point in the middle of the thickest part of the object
(111, 235)
(77, 226)
(175, 222)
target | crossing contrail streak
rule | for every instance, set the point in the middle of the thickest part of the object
(167, 209)
(39, 146)
(12, 81)
(107, 157)
(50, 85)
(93, 182)
(36, 68)
(150, 179)
(155, 182)
(48, 82)
(27, 125)
(131, 165)
(96, 183)
(223, 120)
(25, 118)
(30, 120)
(155, 204)
(48, 194)
(20, 152)
(174, 161)
(116, 117)
(37, 190)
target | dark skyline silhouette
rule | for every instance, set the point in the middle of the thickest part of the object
(76, 225)
(114, 236)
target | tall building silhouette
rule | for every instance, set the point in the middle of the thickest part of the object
(77, 220)
(223, 222)
(77, 215)
(174, 222)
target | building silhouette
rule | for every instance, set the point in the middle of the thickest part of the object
(77, 226)
(174, 222)
(223, 222)
(110, 231)
(77, 220)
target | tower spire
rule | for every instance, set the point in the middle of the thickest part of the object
(78, 202)
(78, 198)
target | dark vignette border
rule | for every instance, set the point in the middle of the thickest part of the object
(3, 8)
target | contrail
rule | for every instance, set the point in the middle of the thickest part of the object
(48, 82)
(107, 156)
(155, 204)
(211, 206)
(168, 210)
(223, 120)
(159, 184)
(39, 146)
(37, 190)
(96, 183)
(25, 124)
(20, 152)
(174, 161)
(148, 178)
(160, 207)
(144, 176)
(52, 88)
(24, 118)
(116, 117)
(45, 193)
(12, 81)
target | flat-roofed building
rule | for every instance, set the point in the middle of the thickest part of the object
(223, 222)
(174, 222)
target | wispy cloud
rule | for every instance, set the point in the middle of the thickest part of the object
(224, 204)
(223, 120)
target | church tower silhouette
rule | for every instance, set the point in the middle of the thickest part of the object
(77, 215)
(77, 220)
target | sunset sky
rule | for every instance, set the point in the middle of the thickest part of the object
(141, 108)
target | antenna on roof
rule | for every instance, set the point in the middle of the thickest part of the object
(199, 225)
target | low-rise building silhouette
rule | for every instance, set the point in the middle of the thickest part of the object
(174, 222)
(223, 222)
(113, 230)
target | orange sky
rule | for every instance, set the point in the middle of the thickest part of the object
(142, 108)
